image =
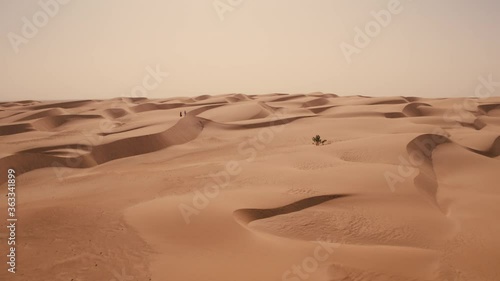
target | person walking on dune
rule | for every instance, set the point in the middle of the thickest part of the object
(185, 113)
(180, 113)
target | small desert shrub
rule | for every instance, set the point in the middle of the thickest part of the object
(317, 140)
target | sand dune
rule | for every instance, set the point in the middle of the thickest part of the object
(404, 188)
(491, 108)
(15, 129)
(42, 113)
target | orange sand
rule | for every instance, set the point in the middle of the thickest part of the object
(125, 189)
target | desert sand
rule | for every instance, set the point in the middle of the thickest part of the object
(403, 188)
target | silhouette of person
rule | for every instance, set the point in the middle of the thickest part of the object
(185, 113)
(181, 113)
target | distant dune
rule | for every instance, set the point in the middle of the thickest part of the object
(404, 188)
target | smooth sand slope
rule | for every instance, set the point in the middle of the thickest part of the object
(404, 188)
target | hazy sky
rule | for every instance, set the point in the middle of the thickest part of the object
(108, 48)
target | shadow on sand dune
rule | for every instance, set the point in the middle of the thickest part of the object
(248, 215)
